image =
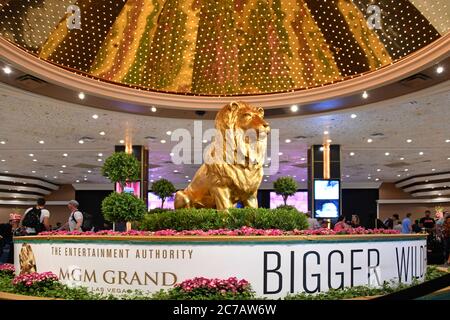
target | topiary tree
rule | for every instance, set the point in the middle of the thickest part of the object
(121, 167)
(120, 207)
(285, 187)
(163, 189)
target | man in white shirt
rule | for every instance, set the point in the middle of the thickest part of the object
(43, 218)
(76, 217)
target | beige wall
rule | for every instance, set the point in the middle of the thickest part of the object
(59, 213)
(390, 191)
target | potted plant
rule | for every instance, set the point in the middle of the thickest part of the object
(163, 189)
(121, 168)
(285, 187)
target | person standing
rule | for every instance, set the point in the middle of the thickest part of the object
(427, 222)
(391, 221)
(446, 236)
(355, 223)
(76, 217)
(341, 225)
(36, 219)
(407, 224)
(7, 230)
(312, 222)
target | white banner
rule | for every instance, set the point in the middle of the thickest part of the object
(273, 268)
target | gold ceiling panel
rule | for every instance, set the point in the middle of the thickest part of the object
(221, 48)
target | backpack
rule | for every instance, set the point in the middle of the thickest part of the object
(87, 221)
(32, 219)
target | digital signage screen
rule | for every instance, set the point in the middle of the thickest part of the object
(130, 187)
(327, 194)
(299, 200)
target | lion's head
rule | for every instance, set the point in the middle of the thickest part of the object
(242, 134)
(26, 259)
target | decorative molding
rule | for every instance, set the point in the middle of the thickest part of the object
(30, 203)
(408, 201)
(28, 180)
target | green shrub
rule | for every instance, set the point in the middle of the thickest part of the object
(208, 219)
(120, 207)
(163, 188)
(285, 187)
(121, 167)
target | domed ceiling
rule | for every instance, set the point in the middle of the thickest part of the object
(227, 47)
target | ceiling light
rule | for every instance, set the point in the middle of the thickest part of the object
(402, 158)
(321, 149)
(31, 155)
(369, 178)
(352, 154)
(100, 154)
(303, 159)
(6, 171)
(163, 141)
(99, 160)
(325, 132)
(169, 133)
(159, 177)
(377, 179)
(60, 171)
(187, 177)
(205, 141)
(269, 159)
(265, 180)
(81, 96)
(95, 116)
(153, 109)
(287, 140)
(3, 160)
(85, 179)
(175, 171)
(65, 155)
(121, 141)
(280, 153)
(399, 175)
(439, 194)
(387, 153)
(347, 176)
(189, 180)
(353, 116)
(365, 95)
(77, 181)
(408, 140)
(171, 154)
(426, 181)
(34, 160)
(329, 140)
(55, 177)
(448, 140)
(3, 142)
(81, 141)
(406, 169)
(294, 108)
(378, 170)
(7, 70)
(369, 140)
(433, 170)
(41, 141)
(303, 180)
(102, 133)
(33, 171)
(89, 171)
(63, 166)
(439, 69)
(421, 153)
(152, 180)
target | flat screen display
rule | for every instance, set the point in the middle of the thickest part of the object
(130, 187)
(327, 198)
(299, 200)
(155, 202)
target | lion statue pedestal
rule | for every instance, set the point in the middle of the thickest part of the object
(233, 167)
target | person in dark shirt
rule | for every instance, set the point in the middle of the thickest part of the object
(7, 231)
(416, 227)
(427, 222)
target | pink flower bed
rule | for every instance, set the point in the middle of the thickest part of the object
(218, 285)
(244, 231)
(7, 268)
(35, 279)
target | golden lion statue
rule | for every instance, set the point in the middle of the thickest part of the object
(233, 167)
(27, 260)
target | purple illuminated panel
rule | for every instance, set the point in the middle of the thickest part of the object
(130, 187)
(155, 202)
(299, 200)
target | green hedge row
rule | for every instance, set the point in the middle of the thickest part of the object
(208, 219)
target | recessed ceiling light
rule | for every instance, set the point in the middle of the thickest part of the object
(159, 177)
(426, 180)
(352, 154)
(99, 160)
(85, 179)
(347, 176)
(3, 160)
(448, 158)
(265, 180)
(60, 171)
(153, 109)
(100, 154)
(378, 170)
(439, 69)
(46, 176)
(303, 159)
(369, 140)
(439, 194)
(387, 153)
(152, 180)
(102, 133)
(294, 108)
(402, 158)
(95, 116)
(448, 140)
(81, 141)
(81, 96)
(3, 142)
(329, 140)
(6, 171)
(269, 159)
(63, 166)
(421, 153)
(266, 165)
(205, 141)
(365, 95)
(433, 169)
(65, 155)
(325, 132)
(77, 181)
(121, 141)
(406, 169)
(31, 155)
(280, 153)
(33, 171)
(169, 133)
(321, 149)
(34, 160)
(303, 180)
(369, 177)
(353, 116)
(55, 177)
(189, 180)
(399, 175)
(409, 140)
(287, 140)
(171, 154)
(377, 179)
(163, 141)
(41, 141)
(7, 70)
(89, 171)
(187, 177)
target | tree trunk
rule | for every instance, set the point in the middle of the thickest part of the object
(128, 226)
(285, 200)
(162, 202)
